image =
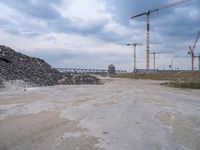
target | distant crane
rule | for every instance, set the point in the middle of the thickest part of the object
(134, 45)
(191, 50)
(154, 59)
(148, 13)
(154, 54)
(172, 62)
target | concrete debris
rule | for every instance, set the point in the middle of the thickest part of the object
(35, 71)
(85, 79)
(79, 79)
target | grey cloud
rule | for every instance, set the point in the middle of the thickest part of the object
(43, 10)
(4, 22)
(50, 38)
(56, 57)
(121, 10)
(51, 55)
(40, 9)
(24, 32)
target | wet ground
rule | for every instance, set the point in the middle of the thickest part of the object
(122, 114)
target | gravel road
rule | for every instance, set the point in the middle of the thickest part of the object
(122, 114)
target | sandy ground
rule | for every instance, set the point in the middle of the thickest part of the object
(122, 114)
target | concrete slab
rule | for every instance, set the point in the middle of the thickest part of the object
(121, 114)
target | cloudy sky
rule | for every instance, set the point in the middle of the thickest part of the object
(93, 33)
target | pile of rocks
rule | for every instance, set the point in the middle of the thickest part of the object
(35, 71)
(1, 83)
(79, 79)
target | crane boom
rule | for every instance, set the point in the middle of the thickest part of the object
(159, 8)
(168, 5)
(195, 43)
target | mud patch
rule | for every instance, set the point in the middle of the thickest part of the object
(186, 129)
(23, 97)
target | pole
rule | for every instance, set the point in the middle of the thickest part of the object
(135, 57)
(148, 41)
(154, 59)
(199, 62)
(172, 62)
(192, 61)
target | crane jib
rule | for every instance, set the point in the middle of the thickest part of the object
(160, 8)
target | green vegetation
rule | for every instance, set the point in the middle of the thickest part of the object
(189, 85)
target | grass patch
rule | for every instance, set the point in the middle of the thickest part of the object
(187, 85)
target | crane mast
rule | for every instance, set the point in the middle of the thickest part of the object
(148, 42)
(134, 45)
(154, 59)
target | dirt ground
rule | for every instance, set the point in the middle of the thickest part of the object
(178, 76)
(122, 114)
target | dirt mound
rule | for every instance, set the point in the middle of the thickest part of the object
(34, 71)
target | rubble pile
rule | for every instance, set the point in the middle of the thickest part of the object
(85, 79)
(35, 71)
(1, 83)
(79, 79)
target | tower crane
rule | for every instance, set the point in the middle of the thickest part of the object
(154, 54)
(154, 59)
(148, 13)
(134, 45)
(192, 48)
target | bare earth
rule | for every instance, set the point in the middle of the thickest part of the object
(122, 114)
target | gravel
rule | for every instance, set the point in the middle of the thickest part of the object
(35, 71)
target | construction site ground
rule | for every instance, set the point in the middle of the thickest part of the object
(122, 114)
(172, 76)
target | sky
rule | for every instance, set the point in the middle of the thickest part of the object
(93, 33)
